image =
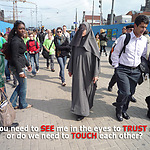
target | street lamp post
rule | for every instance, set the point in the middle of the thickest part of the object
(100, 7)
(112, 13)
(93, 13)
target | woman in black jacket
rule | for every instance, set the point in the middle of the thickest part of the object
(18, 63)
(62, 50)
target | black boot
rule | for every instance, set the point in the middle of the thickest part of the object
(79, 118)
(148, 105)
(133, 99)
(119, 114)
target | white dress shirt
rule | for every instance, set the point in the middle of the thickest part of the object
(136, 48)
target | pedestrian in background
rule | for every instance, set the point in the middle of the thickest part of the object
(124, 30)
(62, 50)
(97, 40)
(7, 72)
(83, 66)
(2, 85)
(129, 28)
(67, 35)
(50, 47)
(26, 38)
(41, 38)
(33, 50)
(103, 41)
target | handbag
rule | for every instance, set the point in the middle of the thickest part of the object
(144, 65)
(144, 68)
(7, 112)
(45, 53)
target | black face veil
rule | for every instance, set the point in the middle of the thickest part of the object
(78, 36)
(88, 41)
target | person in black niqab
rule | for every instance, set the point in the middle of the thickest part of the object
(83, 66)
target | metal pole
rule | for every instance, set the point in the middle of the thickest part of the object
(93, 13)
(112, 12)
(83, 19)
(36, 16)
(14, 11)
(100, 7)
(76, 19)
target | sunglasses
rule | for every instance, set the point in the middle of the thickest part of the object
(58, 31)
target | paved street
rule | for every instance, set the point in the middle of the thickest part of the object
(51, 106)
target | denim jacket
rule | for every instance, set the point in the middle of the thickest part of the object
(2, 69)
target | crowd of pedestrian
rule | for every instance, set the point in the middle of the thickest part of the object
(84, 50)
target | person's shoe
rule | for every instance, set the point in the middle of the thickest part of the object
(125, 116)
(13, 125)
(63, 84)
(79, 118)
(133, 99)
(148, 114)
(29, 106)
(37, 71)
(119, 115)
(14, 85)
(114, 104)
(47, 68)
(105, 54)
(53, 70)
(8, 80)
(109, 89)
(16, 107)
(147, 100)
(33, 75)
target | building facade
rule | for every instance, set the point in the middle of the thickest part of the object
(96, 20)
(1, 15)
(146, 8)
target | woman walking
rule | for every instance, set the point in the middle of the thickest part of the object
(62, 50)
(84, 68)
(18, 63)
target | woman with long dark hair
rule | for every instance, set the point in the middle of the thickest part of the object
(83, 66)
(18, 62)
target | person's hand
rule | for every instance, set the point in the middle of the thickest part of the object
(22, 75)
(2, 89)
(29, 68)
(95, 79)
(70, 74)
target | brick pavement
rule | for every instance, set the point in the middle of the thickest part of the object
(51, 105)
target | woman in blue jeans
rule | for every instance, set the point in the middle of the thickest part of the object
(62, 50)
(18, 63)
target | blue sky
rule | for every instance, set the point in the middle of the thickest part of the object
(54, 13)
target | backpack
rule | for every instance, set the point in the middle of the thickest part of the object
(35, 44)
(126, 41)
(6, 51)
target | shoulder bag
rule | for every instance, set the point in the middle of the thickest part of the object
(7, 112)
(45, 53)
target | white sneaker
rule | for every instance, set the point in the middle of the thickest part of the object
(33, 75)
(37, 71)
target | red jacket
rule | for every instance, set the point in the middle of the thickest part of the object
(31, 46)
